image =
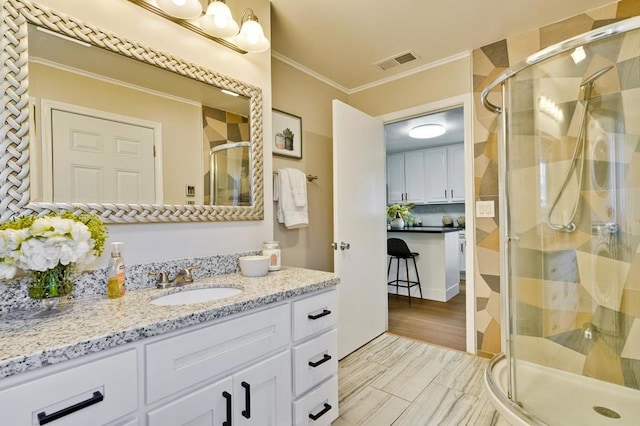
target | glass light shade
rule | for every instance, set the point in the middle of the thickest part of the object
(427, 131)
(181, 9)
(251, 37)
(218, 20)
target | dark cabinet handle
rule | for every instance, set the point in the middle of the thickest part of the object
(324, 359)
(44, 418)
(227, 396)
(322, 412)
(324, 313)
(246, 413)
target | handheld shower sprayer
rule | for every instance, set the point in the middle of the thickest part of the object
(577, 160)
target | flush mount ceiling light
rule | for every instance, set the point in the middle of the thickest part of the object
(251, 37)
(181, 9)
(427, 131)
(218, 21)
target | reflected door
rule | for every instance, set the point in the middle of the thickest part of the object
(97, 160)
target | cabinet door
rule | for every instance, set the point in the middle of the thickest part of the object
(211, 405)
(395, 178)
(435, 163)
(455, 175)
(414, 176)
(262, 393)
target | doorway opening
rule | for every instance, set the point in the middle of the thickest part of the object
(433, 176)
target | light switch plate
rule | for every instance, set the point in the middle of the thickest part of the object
(485, 209)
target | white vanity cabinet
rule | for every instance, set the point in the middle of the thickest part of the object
(315, 359)
(88, 392)
(261, 367)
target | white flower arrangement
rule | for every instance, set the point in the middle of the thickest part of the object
(42, 244)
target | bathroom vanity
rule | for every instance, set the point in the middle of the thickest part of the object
(265, 356)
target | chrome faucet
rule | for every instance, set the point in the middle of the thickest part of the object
(183, 277)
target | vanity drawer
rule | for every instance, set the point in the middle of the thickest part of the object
(314, 314)
(315, 361)
(190, 358)
(322, 404)
(101, 391)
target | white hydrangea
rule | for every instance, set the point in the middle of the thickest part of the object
(49, 241)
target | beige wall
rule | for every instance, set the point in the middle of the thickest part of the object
(299, 94)
(434, 84)
(157, 242)
(181, 122)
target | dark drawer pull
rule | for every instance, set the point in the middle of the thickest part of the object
(324, 359)
(246, 413)
(227, 396)
(43, 418)
(324, 313)
(322, 412)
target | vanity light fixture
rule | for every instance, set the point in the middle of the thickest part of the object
(251, 37)
(427, 131)
(218, 21)
(181, 9)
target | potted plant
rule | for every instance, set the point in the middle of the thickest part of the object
(398, 214)
(288, 139)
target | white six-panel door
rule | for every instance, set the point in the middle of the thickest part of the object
(359, 226)
(98, 160)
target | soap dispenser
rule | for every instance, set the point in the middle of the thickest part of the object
(115, 274)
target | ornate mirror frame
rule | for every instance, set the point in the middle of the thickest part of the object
(14, 122)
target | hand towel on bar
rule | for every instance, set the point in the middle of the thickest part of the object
(288, 213)
(298, 186)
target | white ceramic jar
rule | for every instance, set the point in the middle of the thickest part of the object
(272, 249)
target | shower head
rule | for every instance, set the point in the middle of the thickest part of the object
(596, 75)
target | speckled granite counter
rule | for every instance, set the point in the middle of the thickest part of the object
(427, 229)
(31, 340)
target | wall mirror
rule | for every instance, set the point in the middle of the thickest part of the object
(95, 122)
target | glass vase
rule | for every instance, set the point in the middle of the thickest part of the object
(51, 285)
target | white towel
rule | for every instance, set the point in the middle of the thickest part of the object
(287, 212)
(298, 182)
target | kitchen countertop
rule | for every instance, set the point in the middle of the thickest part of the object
(428, 229)
(31, 340)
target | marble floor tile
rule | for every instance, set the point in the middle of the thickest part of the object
(355, 375)
(464, 373)
(372, 407)
(387, 349)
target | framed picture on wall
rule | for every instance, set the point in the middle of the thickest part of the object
(287, 134)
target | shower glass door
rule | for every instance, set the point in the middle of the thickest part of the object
(573, 200)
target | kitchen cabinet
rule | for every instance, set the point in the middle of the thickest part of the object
(444, 168)
(406, 177)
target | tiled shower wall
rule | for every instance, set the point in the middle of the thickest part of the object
(220, 127)
(488, 62)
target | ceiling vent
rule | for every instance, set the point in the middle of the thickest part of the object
(396, 60)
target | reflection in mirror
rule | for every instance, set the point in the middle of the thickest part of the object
(117, 130)
(229, 177)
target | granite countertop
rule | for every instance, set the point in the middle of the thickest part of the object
(428, 229)
(31, 340)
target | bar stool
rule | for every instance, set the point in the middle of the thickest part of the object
(398, 249)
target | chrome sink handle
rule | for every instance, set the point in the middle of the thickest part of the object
(163, 279)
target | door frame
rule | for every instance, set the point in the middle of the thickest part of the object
(466, 101)
(47, 106)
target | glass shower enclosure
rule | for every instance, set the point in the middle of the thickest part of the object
(570, 192)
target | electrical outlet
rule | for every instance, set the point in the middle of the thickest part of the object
(190, 202)
(485, 209)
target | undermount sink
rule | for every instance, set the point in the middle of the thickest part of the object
(199, 295)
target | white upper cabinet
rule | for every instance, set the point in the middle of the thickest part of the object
(406, 177)
(444, 170)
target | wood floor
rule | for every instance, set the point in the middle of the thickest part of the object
(429, 321)
(397, 381)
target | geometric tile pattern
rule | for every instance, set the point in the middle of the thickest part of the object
(575, 294)
(220, 127)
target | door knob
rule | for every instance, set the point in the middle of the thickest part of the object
(334, 246)
(344, 246)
